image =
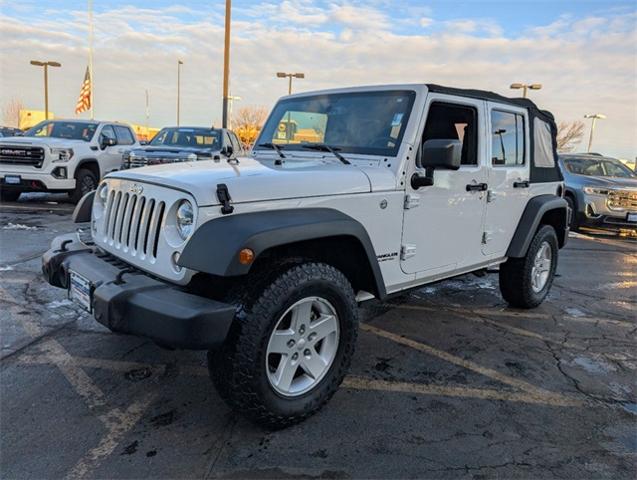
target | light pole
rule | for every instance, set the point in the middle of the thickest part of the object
(231, 100)
(226, 65)
(593, 117)
(179, 64)
(290, 76)
(46, 66)
(525, 87)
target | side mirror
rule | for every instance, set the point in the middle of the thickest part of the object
(107, 142)
(227, 150)
(442, 153)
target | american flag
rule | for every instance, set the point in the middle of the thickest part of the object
(84, 102)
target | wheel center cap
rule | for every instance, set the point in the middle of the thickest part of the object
(300, 344)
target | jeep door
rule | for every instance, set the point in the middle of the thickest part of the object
(508, 175)
(442, 225)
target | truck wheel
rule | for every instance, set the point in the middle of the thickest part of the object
(85, 181)
(525, 282)
(9, 195)
(290, 345)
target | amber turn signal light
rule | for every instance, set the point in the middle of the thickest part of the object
(246, 256)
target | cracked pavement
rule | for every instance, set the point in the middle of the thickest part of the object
(447, 382)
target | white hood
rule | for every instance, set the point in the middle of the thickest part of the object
(51, 142)
(251, 180)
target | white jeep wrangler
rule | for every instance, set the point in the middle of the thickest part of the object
(350, 194)
(62, 155)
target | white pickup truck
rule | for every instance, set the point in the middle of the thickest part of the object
(62, 156)
(349, 195)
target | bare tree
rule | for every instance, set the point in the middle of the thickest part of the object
(569, 135)
(247, 123)
(11, 112)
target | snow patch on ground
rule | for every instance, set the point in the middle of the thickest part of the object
(6, 268)
(59, 303)
(575, 312)
(18, 226)
(593, 366)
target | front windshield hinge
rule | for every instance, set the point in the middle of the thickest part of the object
(224, 198)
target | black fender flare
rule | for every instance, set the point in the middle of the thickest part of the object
(214, 247)
(84, 208)
(84, 161)
(535, 209)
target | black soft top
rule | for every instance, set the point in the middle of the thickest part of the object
(538, 173)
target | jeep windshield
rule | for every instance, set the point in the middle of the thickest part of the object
(60, 129)
(370, 123)
(187, 137)
(594, 167)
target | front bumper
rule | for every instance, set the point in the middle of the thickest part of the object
(37, 181)
(128, 301)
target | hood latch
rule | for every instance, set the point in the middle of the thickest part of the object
(224, 198)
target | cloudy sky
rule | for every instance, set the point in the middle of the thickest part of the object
(584, 52)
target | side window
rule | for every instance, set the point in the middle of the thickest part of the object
(507, 138)
(124, 135)
(456, 122)
(107, 132)
(236, 146)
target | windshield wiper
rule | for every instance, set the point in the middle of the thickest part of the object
(273, 146)
(322, 147)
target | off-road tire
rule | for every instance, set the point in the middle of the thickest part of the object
(515, 273)
(571, 204)
(238, 368)
(83, 179)
(9, 195)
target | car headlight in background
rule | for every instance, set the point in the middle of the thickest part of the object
(185, 217)
(192, 157)
(596, 190)
(62, 154)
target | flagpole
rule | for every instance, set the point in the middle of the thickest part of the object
(90, 52)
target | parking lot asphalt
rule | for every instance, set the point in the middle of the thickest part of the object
(447, 382)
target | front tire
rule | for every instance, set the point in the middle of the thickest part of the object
(85, 181)
(290, 345)
(525, 282)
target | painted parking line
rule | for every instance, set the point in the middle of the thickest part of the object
(116, 421)
(534, 393)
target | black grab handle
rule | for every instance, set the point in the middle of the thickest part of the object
(477, 187)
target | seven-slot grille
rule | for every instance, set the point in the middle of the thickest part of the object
(622, 200)
(21, 155)
(132, 223)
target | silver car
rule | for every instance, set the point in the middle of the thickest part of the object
(601, 191)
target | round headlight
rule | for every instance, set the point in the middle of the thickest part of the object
(185, 218)
(102, 194)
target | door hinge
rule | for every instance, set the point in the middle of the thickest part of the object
(486, 237)
(407, 251)
(490, 196)
(411, 201)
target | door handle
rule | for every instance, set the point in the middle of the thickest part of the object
(524, 184)
(477, 187)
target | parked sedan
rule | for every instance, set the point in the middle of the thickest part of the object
(601, 191)
(185, 144)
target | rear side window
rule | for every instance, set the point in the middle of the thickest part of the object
(124, 135)
(507, 138)
(543, 145)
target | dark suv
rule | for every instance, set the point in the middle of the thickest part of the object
(601, 191)
(185, 144)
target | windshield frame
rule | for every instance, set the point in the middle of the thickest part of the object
(267, 132)
(211, 132)
(31, 131)
(602, 161)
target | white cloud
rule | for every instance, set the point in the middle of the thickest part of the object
(585, 64)
(426, 21)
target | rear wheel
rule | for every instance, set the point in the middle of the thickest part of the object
(290, 345)
(9, 195)
(525, 282)
(85, 181)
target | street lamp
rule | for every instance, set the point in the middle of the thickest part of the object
(290, 76)
(231, 100)
(593, 117)
(525, 87)
(46, 66)
(179, 64)
(226, 64)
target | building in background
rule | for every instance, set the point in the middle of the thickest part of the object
(144, 134)
(29, 118)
